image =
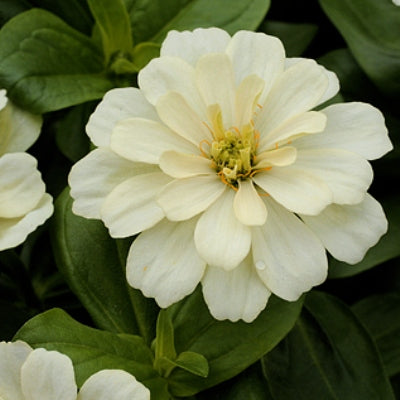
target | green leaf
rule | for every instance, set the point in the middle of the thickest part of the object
(228, 347)
(371, 29)
(90, 262)
(143, 53)
(295, 37)
(386, 249)
(46, 65)
(194, 363)
(328, 355)
(113, 23)
(152, 19)
(380, 314)
(92, 350)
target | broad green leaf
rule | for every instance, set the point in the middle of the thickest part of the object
(152, 19)
(371, 29)
(228, 347)
(386, 249)
(46, 65)
(381, 315)
(113, 23)
(92, 350)
(328, 355)
(90, 262)
(295, 37)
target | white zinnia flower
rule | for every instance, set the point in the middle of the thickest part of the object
(27, 374)
(232, 178)
(24, 205)
(396, 2)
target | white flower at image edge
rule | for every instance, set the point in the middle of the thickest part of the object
(24, 204)
(27, 374)
(233, 180)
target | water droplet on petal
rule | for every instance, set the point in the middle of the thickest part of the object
(260, 265)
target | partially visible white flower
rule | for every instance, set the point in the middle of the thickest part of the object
(396, 2)
(233, 178)
(27, 374)
(24, 204)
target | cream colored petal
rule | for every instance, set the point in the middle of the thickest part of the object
(3, 98)
(215, 81)
(131, 207)
(48, 375)
(163, 262)
(248, 206)
(280, 157)
(288, 257)
(221, 239)
(12, 357)
(180, 117)
(21, 185)
(117, 105)
(191, 45)
(295, 189)
(142, 140)
(234, 295)
(113, 384)
(13, 231)
(93, 177)
(349, 231)
(180, 165)
(184, 198)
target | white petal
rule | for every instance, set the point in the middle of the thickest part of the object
(131, 207)
(142, 140)
(248, 206)
(163, 262)
(190, 46)
(113, 384)
(179, 165)
(48, 375)
(215, 81)
(256, 53)
(177, 115)
(236, 294)
(12, 357)
(356, 127)
(349, 231)
(184, 198)
(117, 104)
(21, 185)
(13, 231)
(347, 175)
(295, 91)
(280, 157)
(166, 74)
(295, 189)
(221, 239)
(93, 177)
(3, 98)
(289, 258)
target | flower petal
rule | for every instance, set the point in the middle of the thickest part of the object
(248, 206)
(179, 165)
(295, 189)
(113, 384)
(280, 157)
(142, 140)
(163, 262)
(48, 375)
(221, 239)
(190, 46)
(289, 258)
(347, 174)
(178, 116)
(131, 207)
(93, 177)
(117, 104)
(13, 231)
(295, 91)
(236, 294)
(3, 98)
(21, 185)
(12, 357)
(184, 198)
(356, 127)
(349, 231)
